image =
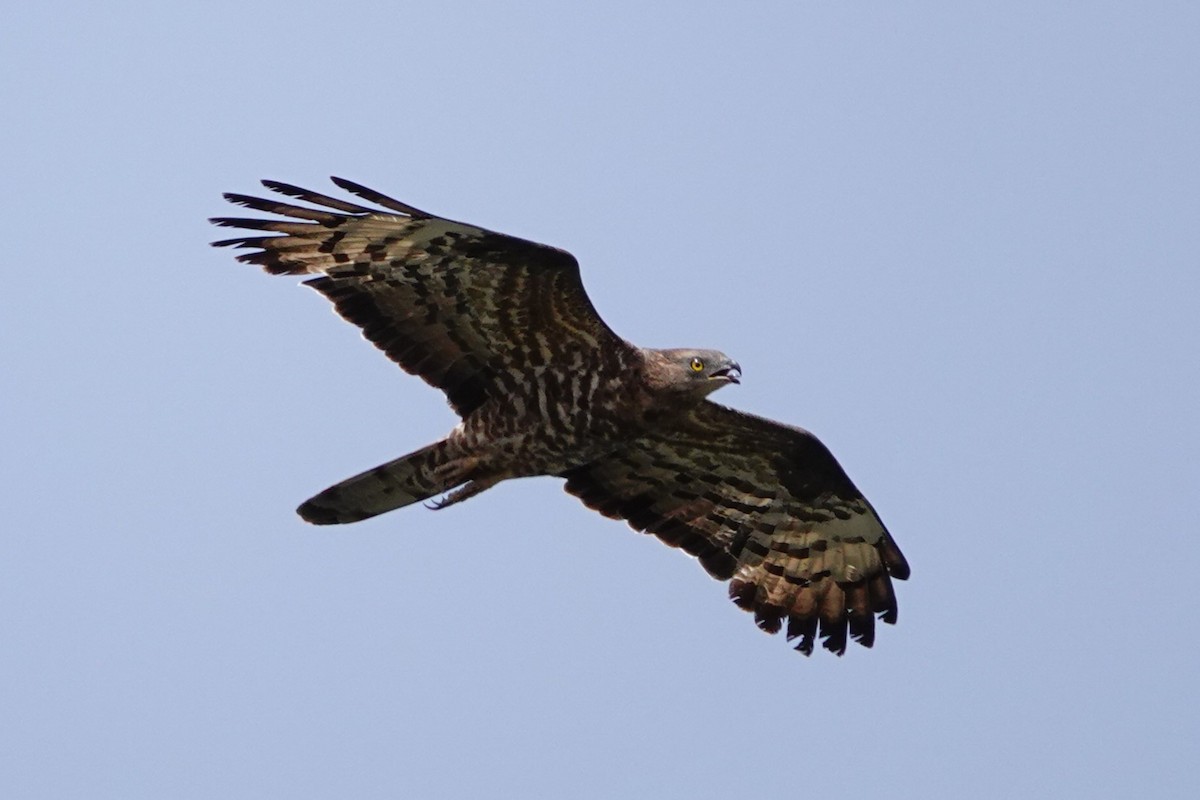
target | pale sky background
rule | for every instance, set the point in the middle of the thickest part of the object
(958, 241)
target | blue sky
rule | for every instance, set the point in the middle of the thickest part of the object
(958, 241)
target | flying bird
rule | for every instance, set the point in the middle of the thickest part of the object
(543, 386)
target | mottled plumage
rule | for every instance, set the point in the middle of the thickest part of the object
(503, 327)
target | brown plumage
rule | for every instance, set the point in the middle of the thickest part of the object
(503, 327)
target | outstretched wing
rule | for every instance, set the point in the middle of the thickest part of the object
(765, 506)
(470, 311)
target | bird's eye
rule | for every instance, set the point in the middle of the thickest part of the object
(697, 365)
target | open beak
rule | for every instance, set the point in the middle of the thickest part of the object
(732, 373)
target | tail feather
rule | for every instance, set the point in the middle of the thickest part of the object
(406, 480)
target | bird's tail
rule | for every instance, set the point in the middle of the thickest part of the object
(409, 479)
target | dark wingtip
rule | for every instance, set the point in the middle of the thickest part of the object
(389, 203)
(743, 594)
(835, 640)
(221, 222)
(349, 185)
(804, 629)
(291, 190)
(897, 564)
(769, 618)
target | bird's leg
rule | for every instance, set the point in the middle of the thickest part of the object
(468, 489)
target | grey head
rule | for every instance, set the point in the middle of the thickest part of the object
(689, 371)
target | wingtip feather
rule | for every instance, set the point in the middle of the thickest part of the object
(390, 203)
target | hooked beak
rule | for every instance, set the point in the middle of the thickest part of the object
(731, 373)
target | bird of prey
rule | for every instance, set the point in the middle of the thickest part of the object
(543, 386)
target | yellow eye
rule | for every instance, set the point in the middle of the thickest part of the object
(697, 365)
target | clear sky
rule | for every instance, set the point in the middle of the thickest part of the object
(958, 241)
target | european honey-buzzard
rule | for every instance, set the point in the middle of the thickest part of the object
(504, 327)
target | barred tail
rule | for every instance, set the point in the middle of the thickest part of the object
(409, 479)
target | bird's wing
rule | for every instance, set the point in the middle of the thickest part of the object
(471, 311)
(764, 506)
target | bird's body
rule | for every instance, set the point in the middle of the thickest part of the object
(545, 426)
(544, 387)
(550, 425)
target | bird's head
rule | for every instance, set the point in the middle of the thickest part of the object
(693, 372)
